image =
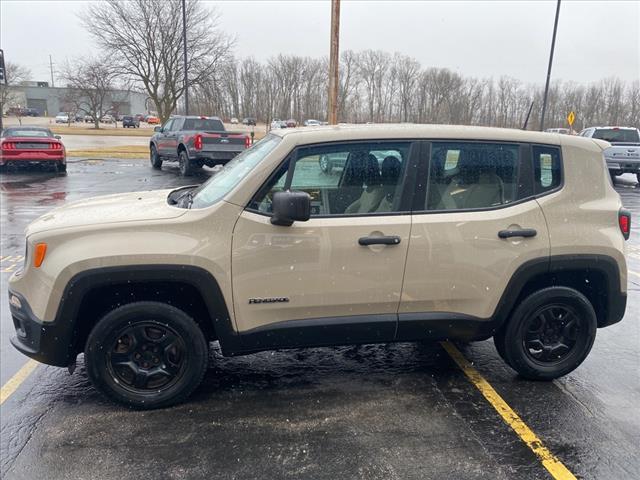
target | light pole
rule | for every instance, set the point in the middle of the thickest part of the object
(546, 87)
(184, 45)
(334, 62)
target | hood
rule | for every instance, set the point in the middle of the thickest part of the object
(108, 209)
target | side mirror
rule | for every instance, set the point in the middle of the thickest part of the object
(57, 137)
(157, 129)
(289, 207)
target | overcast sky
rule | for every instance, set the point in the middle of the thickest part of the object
(596, 39)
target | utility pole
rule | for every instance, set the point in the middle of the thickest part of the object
(51, 68)
(546, 87)
(334, 61)
(184, 44)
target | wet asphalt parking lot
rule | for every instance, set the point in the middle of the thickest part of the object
(373, 412)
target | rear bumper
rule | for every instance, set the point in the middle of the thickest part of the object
(46, 342)
(223, 155)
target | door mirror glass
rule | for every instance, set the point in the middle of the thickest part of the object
(289, 207)
(158, 129)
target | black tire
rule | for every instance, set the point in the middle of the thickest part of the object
(549, 334)
(146, 355)
(325, 164)
(61, 168)
(154, 158)
(613, 176)
(186, 167)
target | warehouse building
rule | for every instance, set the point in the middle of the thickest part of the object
(48, 101)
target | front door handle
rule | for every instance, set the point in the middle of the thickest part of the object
(382, 240)
(525, 232)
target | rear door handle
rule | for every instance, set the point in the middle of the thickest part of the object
(525, 232)
(382, 240)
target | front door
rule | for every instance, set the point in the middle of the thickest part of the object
(337, 277)
(476, 224)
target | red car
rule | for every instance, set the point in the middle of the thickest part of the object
(24, 146)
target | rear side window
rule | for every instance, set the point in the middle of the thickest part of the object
(547, 168)
(470, 175)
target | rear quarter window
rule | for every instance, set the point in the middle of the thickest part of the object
(547, 168)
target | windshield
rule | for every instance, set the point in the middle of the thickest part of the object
(26, 132)
(233, 172)
(617, 135)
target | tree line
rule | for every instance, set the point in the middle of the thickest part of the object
(377, 86)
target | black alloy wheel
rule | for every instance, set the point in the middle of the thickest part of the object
(146, 355)
(549, 334)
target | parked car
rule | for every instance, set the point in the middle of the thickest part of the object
(249, 121)
(31, 112)
(291, 123)
(623, 156)
(62, 117)
(140, 117)
(26, 146)
(88, 119)
(130, 121)
(264, 256)
(107, 118)
(311, 123)
(194, 142)
(152, 120)
(564, 131)
(278, 124)
(78, 117)
(234, 121)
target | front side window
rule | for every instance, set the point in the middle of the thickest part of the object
(167, 126)
(364, 178)
(469, 175)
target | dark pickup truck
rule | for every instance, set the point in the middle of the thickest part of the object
(193, 142)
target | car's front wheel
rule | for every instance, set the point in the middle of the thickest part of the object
(154, 158)
(325, 164)
(549, 334)
(146, 355)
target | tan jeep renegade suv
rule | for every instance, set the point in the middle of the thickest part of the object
(423, 232)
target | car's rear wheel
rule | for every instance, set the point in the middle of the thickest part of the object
(186, 167)
(61, 168)
(146, 355)
(549, 334)
(325, 164)
(154, 158)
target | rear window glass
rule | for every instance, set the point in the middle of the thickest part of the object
(617, 135)
(26, 132)
(547, 168)
(203, 124)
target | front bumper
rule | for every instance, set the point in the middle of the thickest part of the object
(46, 342)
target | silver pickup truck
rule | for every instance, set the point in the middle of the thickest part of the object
(195, 141)
(624, 154)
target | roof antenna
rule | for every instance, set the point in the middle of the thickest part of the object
(526, 120)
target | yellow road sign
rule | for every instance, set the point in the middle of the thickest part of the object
(571, 118)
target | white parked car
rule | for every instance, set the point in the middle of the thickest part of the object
(275, 124)
(311, 123)
(234, 121)
(62, 117)
(107, 119)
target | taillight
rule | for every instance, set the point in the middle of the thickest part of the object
(56, 146)
(8, 146)
(197, 142)
(624, 221)
(247, 142)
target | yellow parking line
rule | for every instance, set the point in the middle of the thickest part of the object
(15, 381)
(549, 461)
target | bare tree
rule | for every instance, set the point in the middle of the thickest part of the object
(143, 38)
(90, 83)
(14, 74)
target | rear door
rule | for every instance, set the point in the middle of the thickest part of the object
(476, 222)
(337, 277)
